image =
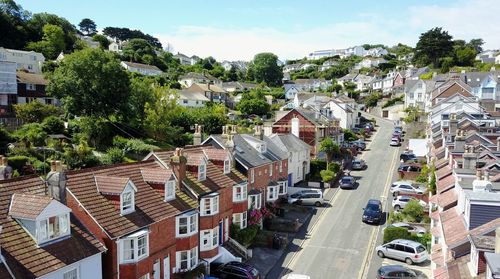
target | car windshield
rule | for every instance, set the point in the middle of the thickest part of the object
(346, 180)
(372, 207)
(296, 195)
(420, 249)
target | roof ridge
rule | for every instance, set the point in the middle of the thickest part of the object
(109, 166)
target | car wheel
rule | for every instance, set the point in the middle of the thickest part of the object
(408, 261)
(397, 207)
(318, 204)
(381, 254)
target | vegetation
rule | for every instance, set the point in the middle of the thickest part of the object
(393, 101)
(372, 99)
(331, 149)
(413, 211)
(88, 27)
(432, 182)
(264, 68)
(413, 114)
(254, 102)
(244, 236)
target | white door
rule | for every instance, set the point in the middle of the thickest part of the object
(156, 269)
(166, 267)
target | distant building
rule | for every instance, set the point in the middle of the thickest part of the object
(187, 98)
(28, 60)
(191, 78)
(31, 87)
(186, 60)
(147, 70)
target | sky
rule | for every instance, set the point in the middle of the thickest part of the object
(237, 30)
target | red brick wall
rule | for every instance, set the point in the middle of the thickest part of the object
(239, 207)
(262, 178)
(481, 263)
(307, 131)
(186, 243)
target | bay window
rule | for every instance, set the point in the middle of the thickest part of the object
(240, 220)
(209, 205)
(170, 190)
(254, 201)
(186, 225)
(53, 227)
(227, 166)
(209, 239)
(187, 260)
(272, 193)
(134, 247)
(239, 192)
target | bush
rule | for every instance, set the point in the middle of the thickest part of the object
(393, 101)
(35, 111)
(349, 135)
(31, 134)
(134, 146)
(18, 162)
(335, 167)
(395, 217)
(53, 125)
(413, 211)
(244, 236)
(327, 176)
(316, 167)
(391, 233)
(113, 155)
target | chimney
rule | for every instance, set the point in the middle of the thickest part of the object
(56, 182)
(497, 240)
(453, 124)
(224, 131)
(258, 132)
(479, 175)
(486, 175)
(295, 126)
(197, 136)
(230, 148)
(234, 130)
(459, 140)
(469, 158)
(178, 164)
(5, 169)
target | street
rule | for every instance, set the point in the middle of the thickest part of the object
(339, 244)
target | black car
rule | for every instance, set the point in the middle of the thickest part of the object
(409, 168)
(395, 271)
(408, 157)
(372, 213)
(236, 270)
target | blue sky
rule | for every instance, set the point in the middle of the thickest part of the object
(239, 29)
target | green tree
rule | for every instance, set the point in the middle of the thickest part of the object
(465, 56)
(114, 155)
(330, 148)
(157, 122)
(53, 125)
(432, 183)
(35, 111)
(413, 211)
(254, 102)
(432, 46)
(87, 26)
(327, 176)
(91, 82)
(391, 233)
(36, 23)
(125, 34)
(80, 157)
(264, 68)
(476, 44)
(349, 135)
(141, 93)
(136, 50)
(52, 42)
(102, 40)
(13, 25)
(31, 134)
(232, 74)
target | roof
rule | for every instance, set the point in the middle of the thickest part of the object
(216, 154)
(444, 172)
(192, 96)
(244, 152)
(493, 261)
(193, 75)
(215, 180)
(150, 205)
(141, 66)
(24, 77)
(481, 230)
(289, 142)
(205, 88)
(156, 175)
(28, 206)
(445, 184)
(484, 242)
(110, 184)
(24, 257)
(448, 198)
(454, 228)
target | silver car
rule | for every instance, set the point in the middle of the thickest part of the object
(347, 182)
(419, 231)
(403, 250)
(307, 197)
(400, 202)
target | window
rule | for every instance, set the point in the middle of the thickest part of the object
(271, 170)
(419, 85)
(30, 67)
(49, 101)
(419, 96)
(281, 166)
(209, 239)
(127, 202)
(170, 190)
(254, 201)
(184, 101)
(240, 220)
(135, 247)
(53, 227)
(227, 166)
(145, 276)
(262, 148)
(30, 86)
(187, 260)
(272, 193)
(411, 96)
(283, 185)
(72, 274)
(202, 172)
(33, 57)
(488, 89)
(209, 206)
(239, 193)
(252, 176)
(187, 224)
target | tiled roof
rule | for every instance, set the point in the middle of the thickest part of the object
(236, 176)
(435, 215)
(444, 172)
(141, 66)
(111, 184)
(445, 183)
(441, 273)
(483, 241)
(194, 157)
(28, 206)
(25, 258)
(436, 232)
(215, 180)
(454, 228)
(216, 154)
(156, 175)
(150, 205)
(24, 77)
(441, 163)
(448, 198)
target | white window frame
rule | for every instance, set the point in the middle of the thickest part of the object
(136, 255)
(272, 193)
(258, 201)
(130, 209)
(202, 172)
(44, 233)
(68, 275)
(210, 237)
(240, 219)
(30, 86)
(209, 205)
(145, 276)
(191, 224)
(170, 190)
(243, 195)
(227, 166)
(271, 169)
(252, 176)
(282, 187)
(281, 166)
(191, 259)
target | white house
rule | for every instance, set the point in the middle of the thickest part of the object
(417, 92)
(369, 63)
(487, 56)
(342, 111)
(310, 85)
(28, 60)
(363, 82)
(376, 52)
(328, 64)
(147, 70)
(191, 78)
(292, 67)
(454, 104)
(299, 158)
(497, 59)
(191, 99)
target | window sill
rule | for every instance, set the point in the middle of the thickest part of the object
(242, 200)
(186, 235)
(206, 249)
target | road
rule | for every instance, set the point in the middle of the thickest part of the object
(340, 244)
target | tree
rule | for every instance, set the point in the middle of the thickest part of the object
(52, 42)
(157, 123)
(330, 148)
(53, 125)
(264, 68)
(432, 183)
(141, 93)
(465, 56)
(432, 46)
(476, 44)
(124, 34)
(36, 23)
(232, 74)
(102, 40)
(88, 26)
(254, 102)
(137, 49)
(31, 134)
(35, 111)
(13, 25)
(114, 155)
(327, 176)
(91, 82)
(413, 211)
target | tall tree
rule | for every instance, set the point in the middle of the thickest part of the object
(52, 42)
(127, 34)
(330, 148)
(102, 40)
(476, 44)
(36, 23)
(264, 68)
(88, 26)
(91, 82)
(13, 25)
(432, 46)
(137, 49)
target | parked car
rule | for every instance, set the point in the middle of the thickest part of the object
(400, 202)
(419, 231)
(394, 142)
(403, 250)
(347, 182)
(359, 143)
(405, 187)
(410, 168)
(307, 197)
(408, 157)
(372, 213)
(395, 271)
(399, 129)
(358, 164)
(238, 270)
(396, 136)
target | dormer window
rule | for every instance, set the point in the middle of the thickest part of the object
(53, 227)
(127, 202)
(227, 166)
(118, 186)
(202, 172)
(170, 190)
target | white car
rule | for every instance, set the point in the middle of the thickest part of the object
(405, 187)
(420, 231)
(400, 202)
(394, 142)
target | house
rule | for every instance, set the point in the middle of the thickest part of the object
(191, 78)
(311, 85)
(186, 60)
(342, 111)
(41, 235)
(292, 67)
(328, 64)
(318, 54)
(377, 83)
(417, 92)
(25, 60)
(213, 92)
(484, 85)
(369, 63)
(88, 41)
(8, 87)
(310, 126)
(237, 86)
(451, 87)
(497, 59)
(191, 99)
(299, 159)
(376, 52)
(147, 70)
(238, 65)
(347, 78)
(487, 56)
(363, 82)
(115, 46)
(31, 87)
(454, 104)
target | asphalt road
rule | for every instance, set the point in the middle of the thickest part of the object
(340, 245)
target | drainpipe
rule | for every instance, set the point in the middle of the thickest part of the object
(118, 257)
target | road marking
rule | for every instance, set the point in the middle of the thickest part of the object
(369, 252)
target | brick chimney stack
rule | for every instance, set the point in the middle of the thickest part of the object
(258, 132)
(178, 164)
(56, 182)
(453, 124)
(469, 158)
(197, 136)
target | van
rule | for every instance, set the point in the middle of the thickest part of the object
(403, 250)
(307, 197)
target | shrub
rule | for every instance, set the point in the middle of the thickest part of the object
(395, 217)
(413, 211)
(349, 135)
(18, 162)
(393, 101)
(53, 125)
(327, 175)
(31, 134)
(316, 167)
(244, 236)
(391, 233)
(113, 155)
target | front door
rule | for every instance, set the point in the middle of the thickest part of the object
(290, 184)
(166, 267)
(156, 269)
(221, 236)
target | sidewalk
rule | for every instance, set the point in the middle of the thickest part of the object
(270, 262)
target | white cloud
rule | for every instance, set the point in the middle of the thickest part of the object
(464, 19)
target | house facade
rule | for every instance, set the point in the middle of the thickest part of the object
(8, 87)
(299, 158)
(212, 92)
(25, 60)
(31, 87)
(143, 69)
(191, 78)
(190, 99)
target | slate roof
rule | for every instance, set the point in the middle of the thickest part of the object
(150, 205)
(21, 252)
(192, 96)
(205, 88)
(493, 261)
(28, 206)
(485, 242)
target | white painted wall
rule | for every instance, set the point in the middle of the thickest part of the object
(28, 60)
(88, 268)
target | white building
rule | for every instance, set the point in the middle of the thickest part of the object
(191, 99)
(191, 78)
(299, 159)
(369, 63)
(342, 111)
(28, 60)
(147, 70)
(376, 52)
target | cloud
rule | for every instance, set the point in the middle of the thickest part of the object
(463, 19)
